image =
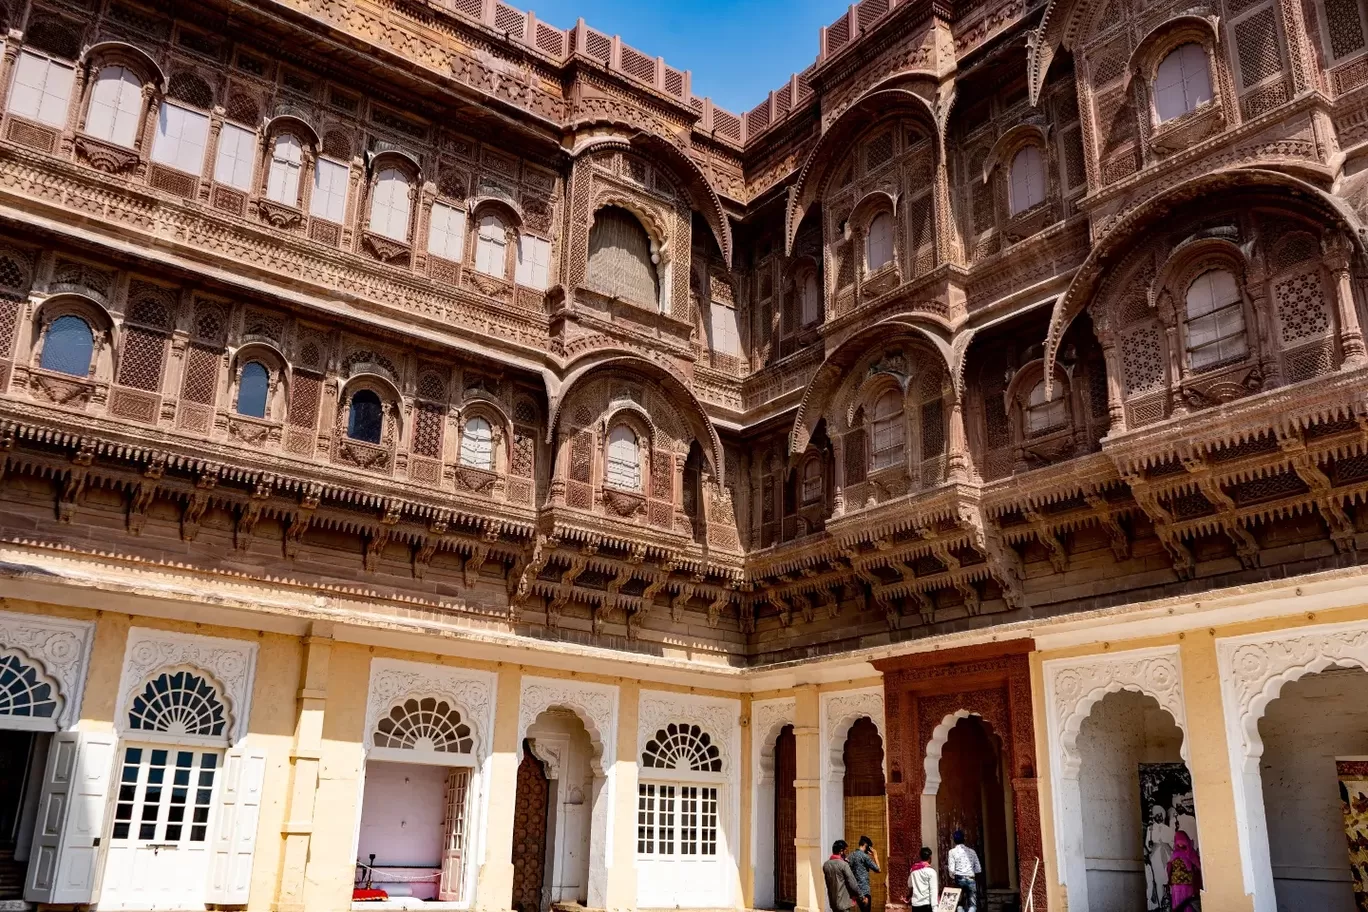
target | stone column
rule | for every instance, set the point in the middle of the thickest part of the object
(808, 784)
(1338, 257)
(494, 882)
(622, 875)
(305, 759)
(12, 42)
(960, 466)
(1209, 760)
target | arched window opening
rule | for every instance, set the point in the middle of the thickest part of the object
(890, 436)
(366, 417)
(23, 691)
(1182, 82)
(812, 482)
(115, 106)
(477, 444)
(179, 703)
(42, 88)
(252, 389)
(1043, 413)
(624, 459)
(287, 162)
(812, 299)
(389, 216)
(69, 347)
(1215, 320)
(879, 243)
(620, 263)
(681, 746)
(491, 246)
(426, 724)
(1028, 179)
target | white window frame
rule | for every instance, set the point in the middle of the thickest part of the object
(182, 138)
(391, 205)
(1185, 81)
(1040, 413)
(888, 434)
(534, 262)
(235, 158)
(1222, 339)
(41, 104)
(879, 243)
(726, 336)
(621, 466)
(286, 169)
(477, 451)
(114, 113)
(491, 246)
(1028, 182)
(446, 232)
(329, 200)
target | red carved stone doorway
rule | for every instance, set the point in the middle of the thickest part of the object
(926, 696)
(785, 820)
(529, 834)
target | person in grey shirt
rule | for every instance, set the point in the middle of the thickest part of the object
(862, 861)
(840, 880)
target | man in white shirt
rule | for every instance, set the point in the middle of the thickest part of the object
(922, 889)
(963, 867)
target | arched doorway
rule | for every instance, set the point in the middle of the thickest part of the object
(1315, 744)
(865, 798)
(785, 819)
(561, 742)
(975, 797)
(529, 834)
(1130, 763)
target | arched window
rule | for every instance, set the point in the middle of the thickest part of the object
(115, 106)
(252, 388)
(620, 263)
(389, 215)
(422, 724)
(366, 417)
(1044, 414)
(681, 746)
(491, 246)
(1183, 82)
(1028, 179)
(178, 703)
(69, 346)
(812, 299)
(23, 691)
(1215, 320)
(624, 459)
(287, 161)
(890, 436)
(879, 243)
(477, 444)
(812, 481)
(42, 88)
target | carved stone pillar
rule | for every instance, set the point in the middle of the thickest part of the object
(960, 466)
(77, 110)
(1338, 257)
(12, 42)
(1256, 286)
(1116, 408)
(142, 143)
(352, 216)
(211, 156)
(837, 477)
(422, 225)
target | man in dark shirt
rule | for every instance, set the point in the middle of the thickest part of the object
(862, 861)
(840, 880)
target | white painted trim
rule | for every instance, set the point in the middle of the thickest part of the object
(60, 649)
(839, 710)
(1253, 670)
(1072, 688)
(229, 663)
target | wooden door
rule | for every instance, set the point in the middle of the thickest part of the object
(785, 820)
(529, 835)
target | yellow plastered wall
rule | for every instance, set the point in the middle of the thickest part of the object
(1208, 751)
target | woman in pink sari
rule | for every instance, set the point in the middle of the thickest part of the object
(1184, 875)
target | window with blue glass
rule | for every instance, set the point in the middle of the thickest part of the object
(252, 390)
(366, 418)
(69, 346)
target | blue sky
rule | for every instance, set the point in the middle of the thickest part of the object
(738, 50)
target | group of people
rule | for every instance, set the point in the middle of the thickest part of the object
(847, 876)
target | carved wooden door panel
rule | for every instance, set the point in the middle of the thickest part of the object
(529, 835)
(785, 820)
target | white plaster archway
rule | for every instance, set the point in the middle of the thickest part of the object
(596, 705)
(768, 718)
(841, 710)
(1072, 688)
(1253, 670)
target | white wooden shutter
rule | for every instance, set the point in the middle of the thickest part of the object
(230, 873)
(66, 840)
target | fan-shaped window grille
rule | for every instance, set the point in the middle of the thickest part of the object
(69, 346)
(620, 263)
(179, 703)
(426, 724)
(681, 746)
(23, 692)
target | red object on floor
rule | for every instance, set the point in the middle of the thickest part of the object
(361, 894)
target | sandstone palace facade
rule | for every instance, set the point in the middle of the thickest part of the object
(445, 462)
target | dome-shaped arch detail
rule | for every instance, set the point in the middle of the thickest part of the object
(1121, 237)
(682, 746)
(425, 723)
(181, 701)
(26, 688)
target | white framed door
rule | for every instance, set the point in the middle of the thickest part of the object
(160, 838)
(679, 850)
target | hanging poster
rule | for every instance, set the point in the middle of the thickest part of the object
(1173, 871)
(1353, 786)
